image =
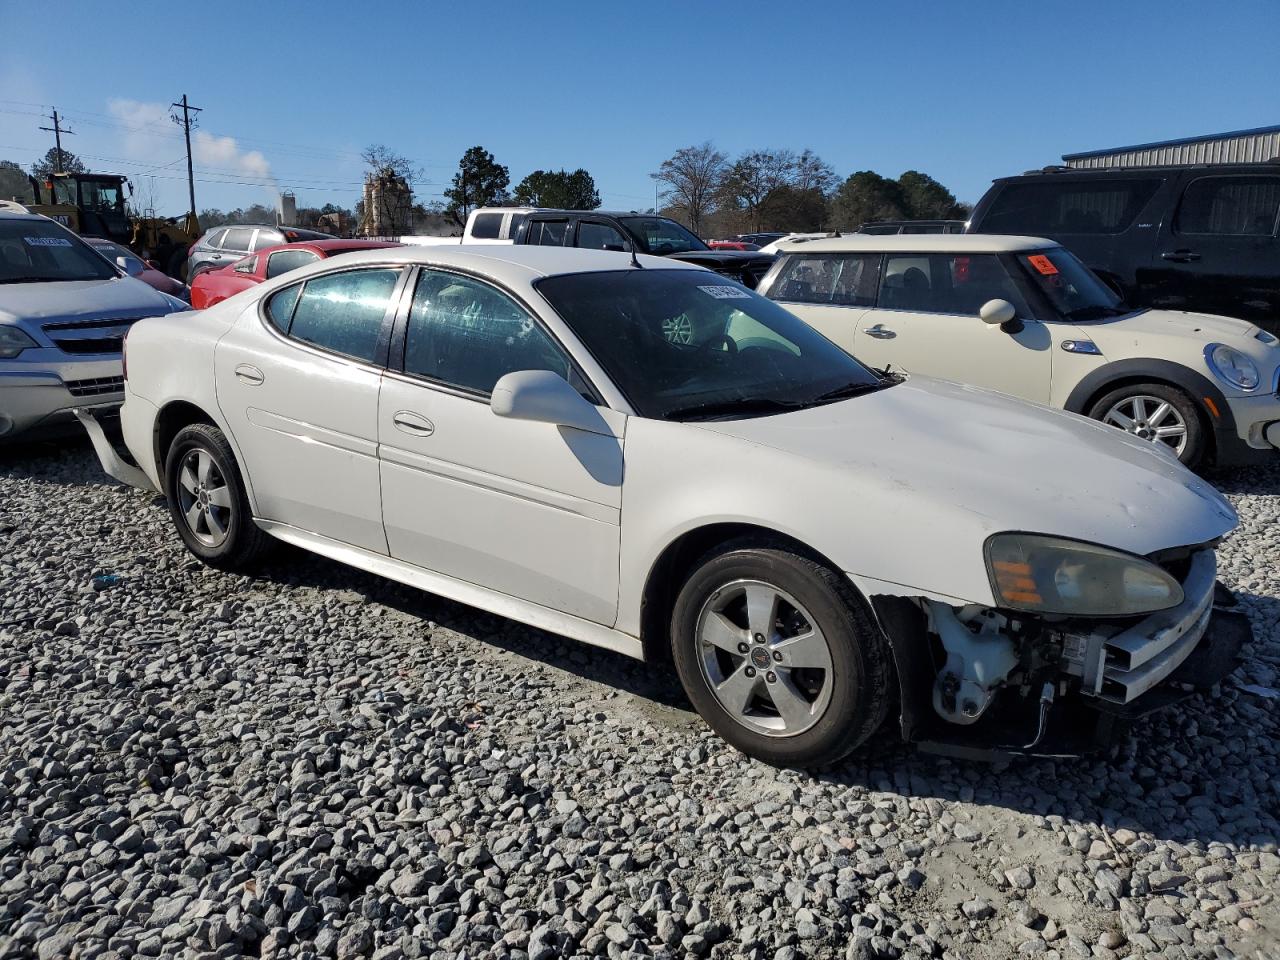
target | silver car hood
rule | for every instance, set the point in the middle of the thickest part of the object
(122, 297)
(1002, 463)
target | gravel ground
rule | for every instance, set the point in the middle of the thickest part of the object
(319, 763)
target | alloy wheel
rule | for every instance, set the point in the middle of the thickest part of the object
(764, 658)
(1150, 418)
(204, 498)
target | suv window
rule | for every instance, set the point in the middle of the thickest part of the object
(600, 236)
(841, 279)
(485, 226)
(1230, 206)
(547, 233)
(344, 312)
(1074, 206)
(213, 238)
(237, 238)
(466, 334)
(282, 261)
(267, 238)
(940, 283)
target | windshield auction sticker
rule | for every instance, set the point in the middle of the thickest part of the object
(1043, 264)
(47, 241)
(726, 293)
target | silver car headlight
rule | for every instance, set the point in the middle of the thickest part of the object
(1232, 367)
(13, 341)
(1044, 574)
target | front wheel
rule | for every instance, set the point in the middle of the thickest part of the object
(1158, 413)
(207, 500)
(780, 656)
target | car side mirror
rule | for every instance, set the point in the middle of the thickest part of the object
(997, 312)
(130, 266)
(544, 397)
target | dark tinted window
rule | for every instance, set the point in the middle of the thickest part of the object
(1232, 206)
(267, 238)
(662, 237)
(466, 334)
(547, 233)
(841, 279)
(343, 312)
(282, 261)
(237, 238)
(942, 283)
(485, 226)
(600, 236)
(280, 307)
(1069, 206)
(513, 227)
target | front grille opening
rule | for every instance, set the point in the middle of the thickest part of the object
(95, 386)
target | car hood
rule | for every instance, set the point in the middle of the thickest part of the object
(123, 297)
(728, 258)
(1202, 326)
(941, 454)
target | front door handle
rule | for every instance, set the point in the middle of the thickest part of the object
(247, 373)
(414, 424)
(880, 332)
(1180, 256)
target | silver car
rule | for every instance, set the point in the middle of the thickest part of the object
(64, 312)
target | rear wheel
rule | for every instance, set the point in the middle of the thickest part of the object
(779, 655)
(207, 500)
(1158, 413)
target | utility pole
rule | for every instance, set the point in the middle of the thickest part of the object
(57, 131)
(185, 122)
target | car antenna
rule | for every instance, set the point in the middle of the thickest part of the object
(635, 262)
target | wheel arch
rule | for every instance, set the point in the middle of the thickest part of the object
(173, 416)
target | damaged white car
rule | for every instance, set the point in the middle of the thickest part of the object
(648, 457)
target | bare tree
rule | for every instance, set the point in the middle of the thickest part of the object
(811, 172)
(755, 177)
(389, 211)
(692, 178)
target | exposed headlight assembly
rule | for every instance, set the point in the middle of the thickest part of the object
(13, 341)
(1232, 367)
(1043, 574)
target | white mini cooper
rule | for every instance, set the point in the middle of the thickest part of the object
(643, 455)
(1023, 316)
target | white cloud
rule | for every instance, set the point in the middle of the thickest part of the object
(225, 155)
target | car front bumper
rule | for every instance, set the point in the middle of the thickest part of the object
(36, 396)
(1257, 423)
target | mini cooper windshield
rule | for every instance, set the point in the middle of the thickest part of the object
(689, 345)
(36, 251)
(1073, 289)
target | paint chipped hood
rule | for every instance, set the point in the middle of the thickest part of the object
(942, 466)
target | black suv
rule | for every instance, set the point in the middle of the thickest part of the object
(646, 233)
(1203, 238)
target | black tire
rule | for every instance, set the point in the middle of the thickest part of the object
(1196, 447)
(243, 543)
(861, 674)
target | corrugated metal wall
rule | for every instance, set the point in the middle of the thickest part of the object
(1251, 148)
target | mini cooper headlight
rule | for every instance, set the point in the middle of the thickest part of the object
(1044, 574)
(13, 341)
(1232, 367)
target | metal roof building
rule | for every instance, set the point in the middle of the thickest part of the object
(1238, 146)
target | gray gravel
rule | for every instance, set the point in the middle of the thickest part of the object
(318, 763)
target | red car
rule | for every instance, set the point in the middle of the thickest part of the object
(731, 245)
(214, 286)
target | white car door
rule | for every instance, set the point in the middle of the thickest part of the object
(528, 509)
(926, 321)
(299, 387)
(829, 291)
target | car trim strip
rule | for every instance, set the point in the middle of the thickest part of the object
(310, 433)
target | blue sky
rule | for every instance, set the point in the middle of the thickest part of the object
(291, 91)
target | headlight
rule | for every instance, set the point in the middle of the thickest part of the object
(13, 341)
(1232, 367)
(1046, 574)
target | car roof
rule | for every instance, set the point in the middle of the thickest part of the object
(328, 246)
(918, 243)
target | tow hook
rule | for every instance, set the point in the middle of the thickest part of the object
(1046, 701)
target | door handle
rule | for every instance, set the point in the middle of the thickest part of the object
(1180, 256)
(414, 424)
(247, 373)
(880, 332)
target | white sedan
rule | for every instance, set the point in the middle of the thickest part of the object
(643, 455)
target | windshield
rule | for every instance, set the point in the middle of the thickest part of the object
(36, 250)
(688, 344)
(660, 236)
(112, 250)
(1073, 289)
(100, 195)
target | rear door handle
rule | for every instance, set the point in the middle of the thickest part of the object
(247, 373)
(414, 424)
(1180, 256)
(880, 332)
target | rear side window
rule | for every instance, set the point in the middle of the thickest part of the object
(280, 307)
(1074, 206)
(1230, 206)
(267, 238)
(547, 233)
(344, 312)
(282, 261)
(941, 283)
(213, 238)
(838, 279)
(237, 238)
(600, 236)
(485, 226)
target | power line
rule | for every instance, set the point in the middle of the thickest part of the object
(57, 132)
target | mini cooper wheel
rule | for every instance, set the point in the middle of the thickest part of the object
(780, 656)
(207, 500)
(1157, 413)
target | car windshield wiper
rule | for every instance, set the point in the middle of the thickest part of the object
(852, 390)
(759, 406)
(32, 279)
